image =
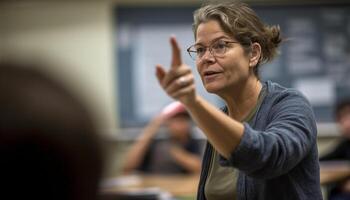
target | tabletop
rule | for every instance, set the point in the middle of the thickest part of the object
(176, 185)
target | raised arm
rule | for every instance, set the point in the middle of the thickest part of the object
(137, 151)
(223, 132)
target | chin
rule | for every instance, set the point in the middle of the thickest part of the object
(212, 88)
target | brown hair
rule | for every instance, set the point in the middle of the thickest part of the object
(242, 23)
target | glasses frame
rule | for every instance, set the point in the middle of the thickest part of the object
(210, 48)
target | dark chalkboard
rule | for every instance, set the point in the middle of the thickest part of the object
(315, 58)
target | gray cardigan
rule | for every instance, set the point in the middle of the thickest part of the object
(277, 155)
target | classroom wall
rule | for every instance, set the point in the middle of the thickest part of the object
(76, 36)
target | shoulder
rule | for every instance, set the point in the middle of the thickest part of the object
(278, 94)
(275, 90)
(286, 103)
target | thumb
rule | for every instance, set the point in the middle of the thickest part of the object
(160, 73)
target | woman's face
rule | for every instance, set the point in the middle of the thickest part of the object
(222, 73)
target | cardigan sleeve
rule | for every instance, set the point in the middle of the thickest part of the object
(289, 135)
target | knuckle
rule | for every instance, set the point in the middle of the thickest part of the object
(193, 88)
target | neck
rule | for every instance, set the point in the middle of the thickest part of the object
(243, 98)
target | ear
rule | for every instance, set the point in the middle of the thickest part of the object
(255, 54)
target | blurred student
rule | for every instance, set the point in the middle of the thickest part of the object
(178, 153)
(49, 147)
(341, 151)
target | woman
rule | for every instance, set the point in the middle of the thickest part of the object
(266, 132)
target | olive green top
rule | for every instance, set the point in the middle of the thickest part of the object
(222, 180)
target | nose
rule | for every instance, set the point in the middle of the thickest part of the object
(208, 56)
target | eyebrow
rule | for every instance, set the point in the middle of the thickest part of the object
(212, 41)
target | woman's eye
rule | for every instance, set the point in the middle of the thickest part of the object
(200, 49)
(220, 45)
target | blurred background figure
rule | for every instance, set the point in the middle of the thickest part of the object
(341, 151)
(179, 152)
(49, 147)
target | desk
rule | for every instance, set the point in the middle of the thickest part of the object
(176, 185)
(186, 185)
(333, 171)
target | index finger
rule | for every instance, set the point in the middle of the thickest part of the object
(176, 53)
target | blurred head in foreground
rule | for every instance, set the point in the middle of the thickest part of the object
(49, 147)
(342, 114)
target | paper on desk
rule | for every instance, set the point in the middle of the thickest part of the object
(127, 182)
(147, 193)
(122, 181)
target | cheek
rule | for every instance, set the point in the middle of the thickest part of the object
(237, 67)
(231, 67)
(199, 68)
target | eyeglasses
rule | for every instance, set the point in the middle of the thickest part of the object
(217, 49)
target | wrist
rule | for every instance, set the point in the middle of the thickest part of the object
(190, 105)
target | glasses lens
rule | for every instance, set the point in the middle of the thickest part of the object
(219, 48)
(193, 53)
